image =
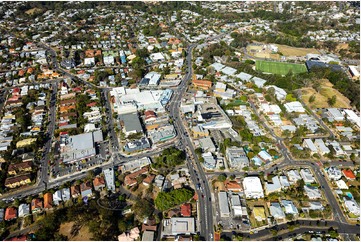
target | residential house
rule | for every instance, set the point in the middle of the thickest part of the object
(36, 205)
(86, 189)
(290, 208)
(334, 173)
(349, 174)
(98, 183)
(24, 210)
(275, 186)
(17, 181)
(276, 211)
(65, 194)
(10, 213)
(307, 143)
(17, 168)
(48, 200)
(307, 176)
(352, 206)
(75, 191)
(312, 192)
(202, 84)
(130, 179)
(293, 176)
(294, 107)
(321, 147)
(57, 197)
(232, 186)
(148, 180)
(186, 210)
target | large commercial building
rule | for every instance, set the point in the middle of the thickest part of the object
(131, 100)
(78, 147)
(252, 187)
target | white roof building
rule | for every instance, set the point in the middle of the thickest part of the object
(134, 165)
(176, 225)
(294, 107)
(334, 173)
(57, 197)
(153, 77)
(341, 184)
(312, 192)
(24, 210)
(293, 176)
(354, 71)
(265, 156)
(223, 204)
(259, 82)
(352, 116)
(279, 92)
(321, 147)
(284, 182)
(207, 144)
(290, 208)
(334, 114)
(65, 194)
(108, 60)
(352, 206)
(307, 176)
(109, 179)
(209, 161)
(307, 143)
(275, 186)
(276, 211)
(157, 57)
(244, 76)
(252, 187)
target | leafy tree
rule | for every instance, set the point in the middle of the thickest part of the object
(312, 98)
(332, 101)
(167, 200)
(222, 177)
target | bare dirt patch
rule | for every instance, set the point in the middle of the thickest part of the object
(83, 233)
(321, 97)
(32, 11)
(219, 185)
(293, 51)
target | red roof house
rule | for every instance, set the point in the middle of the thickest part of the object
(10, 213)
(186, 210)
(349, 174)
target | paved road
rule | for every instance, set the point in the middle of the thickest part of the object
(196, 171)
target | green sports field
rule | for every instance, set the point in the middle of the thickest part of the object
(281, 68)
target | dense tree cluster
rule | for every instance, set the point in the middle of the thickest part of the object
(169, 158)
(167, 200)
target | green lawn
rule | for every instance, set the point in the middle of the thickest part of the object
(281, 68)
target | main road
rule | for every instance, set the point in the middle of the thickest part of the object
(195, 169)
